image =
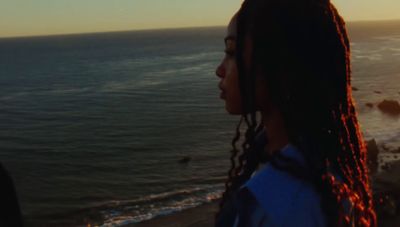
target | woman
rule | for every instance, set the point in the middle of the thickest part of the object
(303, 159)
(10, 213)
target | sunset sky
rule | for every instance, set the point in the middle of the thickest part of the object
(43, 17)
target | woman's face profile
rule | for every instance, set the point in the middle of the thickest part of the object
(228, 73)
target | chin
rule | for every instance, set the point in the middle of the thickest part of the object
(233, 110)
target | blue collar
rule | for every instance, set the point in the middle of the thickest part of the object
(288, 151)
(275, 189)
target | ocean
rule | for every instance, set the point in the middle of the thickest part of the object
(93, 126)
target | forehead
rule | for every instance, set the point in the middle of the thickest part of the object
(232, 30)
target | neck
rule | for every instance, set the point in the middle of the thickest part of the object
(275, 131)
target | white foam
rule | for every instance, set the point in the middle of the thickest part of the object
(150, 211)
(371, 56)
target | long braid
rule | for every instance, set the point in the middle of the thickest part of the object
(231, 171)
(356, 139)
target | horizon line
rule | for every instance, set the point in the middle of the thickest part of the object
(156, 29)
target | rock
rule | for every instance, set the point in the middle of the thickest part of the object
(354, 88)
(386, 190)
(378, 92)
(384, 147)
(185, 160)
(391, 107)
(370, 105)
(386, 166)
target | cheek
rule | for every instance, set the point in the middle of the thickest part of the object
(233, 98)
(232, 81)
(234, 91)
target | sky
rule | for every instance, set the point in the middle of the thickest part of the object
(44, 17)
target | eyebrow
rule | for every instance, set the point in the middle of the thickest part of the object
(229, 37)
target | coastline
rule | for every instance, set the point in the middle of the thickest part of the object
(201, 216)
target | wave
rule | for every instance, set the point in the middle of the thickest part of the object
(14, 96)
(193, 69)
(196, 57)
(162, 204)
(391, 38)
(56, 91)
(115, 213)
(371, 57)
(158, 78)
(71, 90)
(147, 62)
(129, 85)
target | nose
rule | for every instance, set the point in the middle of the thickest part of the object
(220, 71)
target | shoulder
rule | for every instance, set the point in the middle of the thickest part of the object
(284, 199)
(10, 214)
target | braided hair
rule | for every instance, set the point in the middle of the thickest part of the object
(303, 50)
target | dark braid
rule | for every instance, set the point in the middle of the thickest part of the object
(234, 152)
(303, 49)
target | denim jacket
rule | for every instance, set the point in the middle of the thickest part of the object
(272, 197)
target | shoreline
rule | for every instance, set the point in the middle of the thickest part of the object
(201, 216)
